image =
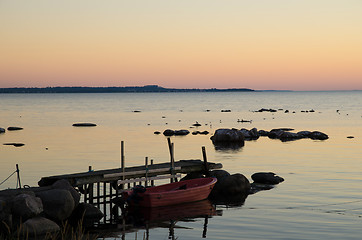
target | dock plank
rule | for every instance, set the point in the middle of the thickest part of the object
(107, 175)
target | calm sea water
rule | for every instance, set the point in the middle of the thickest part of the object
(321, 196)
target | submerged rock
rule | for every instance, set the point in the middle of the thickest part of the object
(14, 128)
(2, 130)
(169, 132)
(267, 178)
(316, 135)
(14, 144)
(84, 125)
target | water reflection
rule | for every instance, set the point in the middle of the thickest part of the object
(227, 146)
(132, 219)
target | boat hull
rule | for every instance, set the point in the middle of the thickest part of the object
(174, 193)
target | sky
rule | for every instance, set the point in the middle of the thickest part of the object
(263, 44)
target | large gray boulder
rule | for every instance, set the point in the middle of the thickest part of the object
(38, 226)
(26, 206)
(227, 135)
(58, 204)
(231, 190)
(64, 184)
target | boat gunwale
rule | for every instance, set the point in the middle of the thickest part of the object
(170, 191)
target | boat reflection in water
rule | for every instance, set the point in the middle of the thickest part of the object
(135, 218)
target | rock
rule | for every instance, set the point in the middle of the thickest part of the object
(181, 132)
(289, 136)
(275, 133)
(196, 124)
(266, 178)
(219, 174)
(2, 130)
(14, 128)
(87, 213)
(26, 206)
(157, 132)
(226, 110)
(6, 217)
(250, 134)
(304, 134)
(266, 110)
(231, 189)
(350, 137)
(39, 226)
(58, 204)
(64, 184)
(224, 139)
(227, 135)
(84, 125)
(316, 135)
(14, 144)
(169, 132)
(263, 133)
(198, 132)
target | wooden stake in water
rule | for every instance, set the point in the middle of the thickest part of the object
(206, 165)
(171, 149)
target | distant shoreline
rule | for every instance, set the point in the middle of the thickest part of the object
(141, 89)
(131, 89)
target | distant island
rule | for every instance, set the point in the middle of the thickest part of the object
(131, 89)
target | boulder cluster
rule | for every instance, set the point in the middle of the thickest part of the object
(40, 210)
(169, 132)
(284, 134)
(233, 189)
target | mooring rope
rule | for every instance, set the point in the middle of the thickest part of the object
(8, 177)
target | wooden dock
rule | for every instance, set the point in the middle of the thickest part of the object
(102, 188)
(137, 172)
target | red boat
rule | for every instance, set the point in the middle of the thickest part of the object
(172, 193)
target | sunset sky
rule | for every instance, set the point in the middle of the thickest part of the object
(263, 44)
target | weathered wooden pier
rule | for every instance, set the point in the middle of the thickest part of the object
(101, 186)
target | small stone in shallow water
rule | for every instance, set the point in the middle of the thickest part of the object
(84, 125)
(350, 137)
(14, 144)
(14, 128)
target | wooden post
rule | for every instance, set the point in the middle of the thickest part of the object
(18, 173)
(152, 181)
(104, 200)
(171, 149)
(122, 159)
(206, 165)
(146, 175)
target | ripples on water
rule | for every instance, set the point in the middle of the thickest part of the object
(320, 198)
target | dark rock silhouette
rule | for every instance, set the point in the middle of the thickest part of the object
(84, 125)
